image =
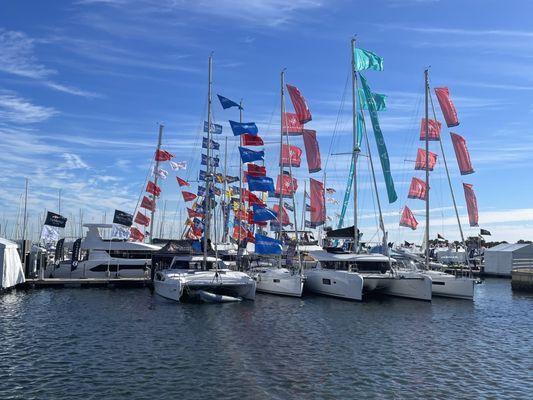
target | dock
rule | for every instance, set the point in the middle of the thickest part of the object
(85, 282)
(522, 279)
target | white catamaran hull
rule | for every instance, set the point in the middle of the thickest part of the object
(410, 285)
(447, 285)
(336, 283)
(278, 281)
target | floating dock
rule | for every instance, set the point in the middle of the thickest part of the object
(86, 282)
(522, 279)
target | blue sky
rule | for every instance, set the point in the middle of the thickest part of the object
(83, 85)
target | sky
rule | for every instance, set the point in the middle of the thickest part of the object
(84, 85)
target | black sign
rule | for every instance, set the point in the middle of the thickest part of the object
(485, 232)
(56, 220)
(58, 255)
(122, 218)
(75, 255)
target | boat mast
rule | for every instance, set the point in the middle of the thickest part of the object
(426, 111)
(24, 219)
(207, 197)
(355, 147)
(156, 176)
(240, 176)
(225, 208)
(282, 111)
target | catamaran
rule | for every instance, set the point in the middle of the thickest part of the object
(447, 285)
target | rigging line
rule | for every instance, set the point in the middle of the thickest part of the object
(339, 117)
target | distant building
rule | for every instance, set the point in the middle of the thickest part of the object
(501, 259)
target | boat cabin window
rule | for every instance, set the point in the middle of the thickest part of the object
(130, 254)
(361, 266)
(188, 264)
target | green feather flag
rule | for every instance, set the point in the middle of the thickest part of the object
(379, 99)
(365, 59)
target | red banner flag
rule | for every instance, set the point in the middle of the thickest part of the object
(239, 233)
(136, 235)
(290, 156)
(182, 182)
(420, 162)
(242, 215)
(447, 107)
(434, 129)
(251, 198)
(471, 204)
(251, 140)
(417, 190)
(292, 125)
(256, 170)
(312, 151)
(286, 185)
(152, 188)
(462, 154)
(284, 216)
(318, 206)
(300, 106)
(188, 196)
(193, 213)
(142, 219)
(147, 203)
(163, 155)
(408, 219)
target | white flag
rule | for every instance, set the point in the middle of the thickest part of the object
(332, 200)
(160, 172)
(120, 232)
(178, 165)
(49, 234)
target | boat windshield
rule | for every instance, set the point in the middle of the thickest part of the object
(361, 266)
(198, 264)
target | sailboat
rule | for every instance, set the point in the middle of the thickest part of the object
(443, 284)
(350, 273)
(201, 274)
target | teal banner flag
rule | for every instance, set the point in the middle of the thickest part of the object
(379, 98)
(365, 59)
(352, 170)
(382, 148)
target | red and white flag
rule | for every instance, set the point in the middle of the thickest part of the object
(136, 235)
(152, 188)
(148, 204)
(300, 105)
(160, 172)
(433, 127)
(292, 125)
(290, 156)
(417, 190)
(420, 163)
(142, 219)
(408, 219)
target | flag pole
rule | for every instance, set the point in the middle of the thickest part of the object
(240, 178)
(426, 112)
(280, 178)
(355, 147)
(156, 176)
(207, 198)
(24, 219)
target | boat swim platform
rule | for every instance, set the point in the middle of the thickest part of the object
(85, 282)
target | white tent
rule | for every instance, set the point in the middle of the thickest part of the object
(501, 259)
(11, 272)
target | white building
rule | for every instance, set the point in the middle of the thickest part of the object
(501, 259)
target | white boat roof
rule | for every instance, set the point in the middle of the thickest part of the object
(93, 240)
(322, 255)
(195, 258)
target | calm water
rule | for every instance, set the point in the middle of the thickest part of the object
(130, 344)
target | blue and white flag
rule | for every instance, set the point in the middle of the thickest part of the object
(266, 245)
(202, 176)
(213, 145)
(215, 128)
(240, 128)
(248, 155)
(260, 184)
(227, 103)
(263, 214)
(201, 191)
(213, 161)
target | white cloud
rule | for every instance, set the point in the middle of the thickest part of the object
(73, 161)
(19, 110)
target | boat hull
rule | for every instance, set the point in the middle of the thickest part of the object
(408, 285)
(336, 283)
(447, 285)
(279, 281)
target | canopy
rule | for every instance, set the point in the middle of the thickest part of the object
(11, 272)
(342, 233)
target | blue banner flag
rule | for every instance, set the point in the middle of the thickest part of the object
(201, 191)
(236, 190)
(365, 59)
(260, 184)
(202, 175)
(248, 155)
(227, 103)
(215, 128)
(266, 245)
(213, 145)
(214, 160)
(263, 214)
(240, 128)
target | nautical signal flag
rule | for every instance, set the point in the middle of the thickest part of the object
(433, 130)
(214, 161)
(227, 103)
(188, 196)
(213, 145)
(152, 188)
(178, 165)
(420, 163)
(163, 155)
(251, 140)
(136, 235)
(248, 155)
(192, 213)
(147, 203)
(290, 156)
(160, 172)
(182, 182)
(484, 232)
(260, 184)
(142, 219)
(202, 175)
(240, 128)
(299, 103)
(215, 128)
(408, 220)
